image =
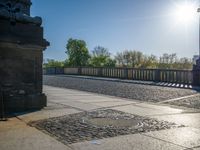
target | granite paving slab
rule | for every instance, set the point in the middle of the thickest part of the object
(97, 99)
(187, 119)
(113, 103)
(186, 136)
(80, 105)
(144, 109)
(85, 102)
(191, 102)
(127, 142)
(16, 135)
(52, 110)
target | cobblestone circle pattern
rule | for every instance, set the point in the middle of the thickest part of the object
(85, 126)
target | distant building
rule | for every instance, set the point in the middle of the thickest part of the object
(194, 59)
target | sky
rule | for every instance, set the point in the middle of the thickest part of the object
(151, 26)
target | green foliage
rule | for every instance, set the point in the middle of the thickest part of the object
(110, 63)
(149, 62)
(136, 59)
(77, 52)
(171, 61)
(53, 63)
(100, 51)
(129, 58)
(185, 63)
(101, 58)
(78, 56)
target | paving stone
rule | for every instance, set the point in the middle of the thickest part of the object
(188, 119)
(46, 114)
(94, 100)
(128, 142)
(114, 103)
(190, 102)
(186, 136)
(11, 123)
(52, 110)
(24, 137)
(80, 105)
(148, 109)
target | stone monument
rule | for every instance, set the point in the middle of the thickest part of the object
(21, 57)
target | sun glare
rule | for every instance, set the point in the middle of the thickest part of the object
(185, 12)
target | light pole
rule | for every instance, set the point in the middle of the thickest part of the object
(198, 10)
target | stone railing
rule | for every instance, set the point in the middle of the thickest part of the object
(191, 77)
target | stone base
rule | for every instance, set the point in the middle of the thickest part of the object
(25, 103)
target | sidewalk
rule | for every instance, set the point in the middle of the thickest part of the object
(15, 134)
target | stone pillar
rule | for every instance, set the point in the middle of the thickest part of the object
(100, 71)
(157, 75)
(196, 73)
(125, 73)
(21, 57)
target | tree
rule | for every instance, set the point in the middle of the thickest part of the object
(119, 59)
(167, 61)
(130, 58)
(77, 52)
(100, 51)
(171, 61)
(149, 62)
(126, 57)
(110, 63)
(53, 63)
(137, 59)
(101, 57)
(185, 63)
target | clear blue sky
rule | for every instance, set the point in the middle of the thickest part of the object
(146, 25)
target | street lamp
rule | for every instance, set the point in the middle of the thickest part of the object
(198, 10)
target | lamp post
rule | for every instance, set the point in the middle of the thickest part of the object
(196, 68)
(198, 10)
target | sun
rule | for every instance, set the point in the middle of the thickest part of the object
(185, 12)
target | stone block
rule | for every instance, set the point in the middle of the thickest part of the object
(21, 57)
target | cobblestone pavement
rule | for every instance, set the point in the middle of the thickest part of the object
(99, 124)
(125, 90)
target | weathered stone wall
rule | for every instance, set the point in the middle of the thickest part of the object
(21, 57)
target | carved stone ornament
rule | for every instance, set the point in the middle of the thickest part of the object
(18, 11)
